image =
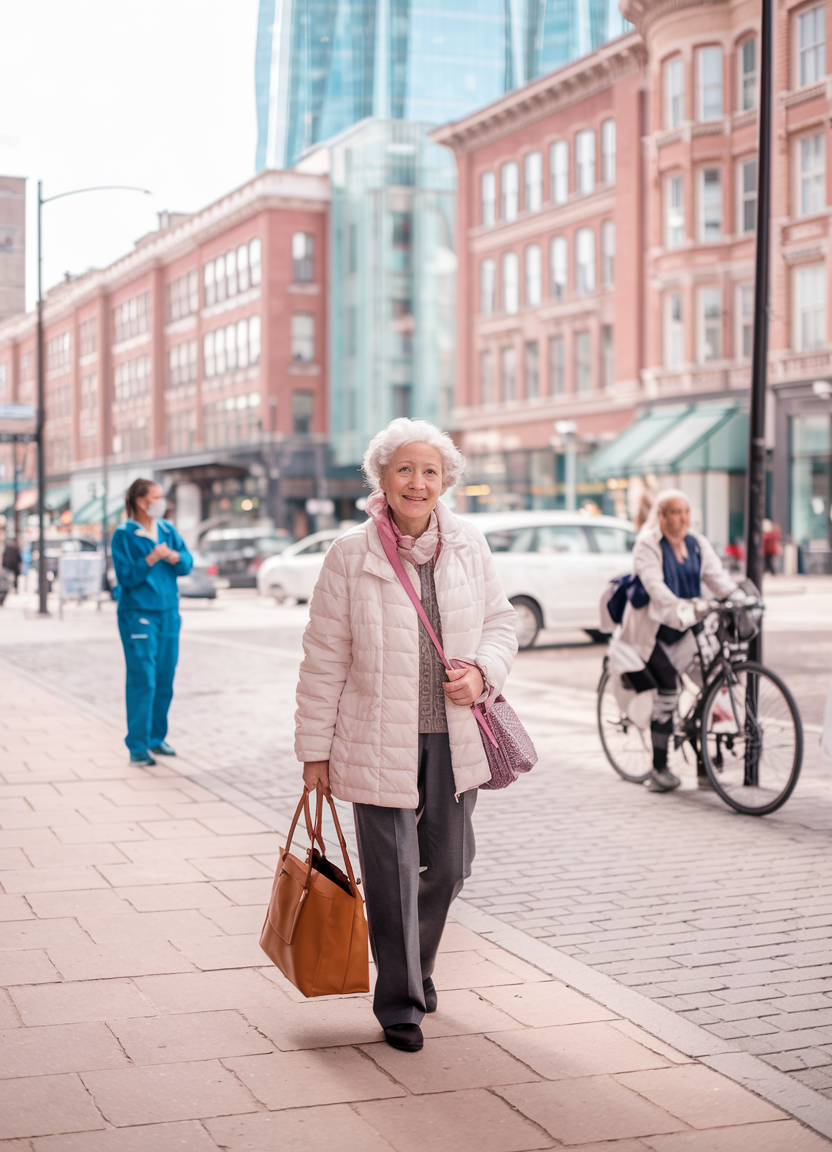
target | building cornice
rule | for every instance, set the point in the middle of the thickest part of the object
(643, 13)
(274, 189)
(576, 81)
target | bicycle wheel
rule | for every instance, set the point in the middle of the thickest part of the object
(752, 742)
(628, 748)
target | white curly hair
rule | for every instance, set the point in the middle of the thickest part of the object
(385, 444)
(661, 501)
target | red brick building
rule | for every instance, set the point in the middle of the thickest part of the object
(606, 243)
(199, 358)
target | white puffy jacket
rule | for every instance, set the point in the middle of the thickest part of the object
(358, 693)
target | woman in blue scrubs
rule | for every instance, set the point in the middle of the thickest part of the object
(148, 555)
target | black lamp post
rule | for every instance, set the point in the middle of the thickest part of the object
(41, 420)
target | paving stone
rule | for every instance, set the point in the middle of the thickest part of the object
(451, 1064)
(546, 1003)
(188, 1036)
(700, 1096)
(297, 1130)
(208, 991)
(448, 1122)
(59, 1048)
(75, 1003)
(166, 1092)
(578, 1050)
(43, 1105)
(106, 961)
(778, 1136)
(314, 1076)
(188, 1136)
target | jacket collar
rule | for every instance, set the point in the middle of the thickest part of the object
(376, 562)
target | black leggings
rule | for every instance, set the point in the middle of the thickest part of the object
(663, 672)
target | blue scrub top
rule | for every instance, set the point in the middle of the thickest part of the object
(140, 586)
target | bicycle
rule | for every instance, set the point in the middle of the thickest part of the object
(743, 725)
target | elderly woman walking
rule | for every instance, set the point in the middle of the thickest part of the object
(379, 723)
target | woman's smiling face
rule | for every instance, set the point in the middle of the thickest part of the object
(412, 482)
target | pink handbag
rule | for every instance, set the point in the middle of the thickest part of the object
(508, 747)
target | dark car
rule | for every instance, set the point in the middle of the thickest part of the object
(235, 554)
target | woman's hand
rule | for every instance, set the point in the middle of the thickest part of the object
(171, 556)
(157, 554)
(464, 685)
(316, 772)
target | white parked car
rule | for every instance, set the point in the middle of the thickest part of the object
(554, 566)
(295, 571)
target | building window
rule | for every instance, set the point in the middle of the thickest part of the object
(748, 75)
(488, 192)
(182, 363)
(533, 165)
(608, 152)
(488, 287)
(607, 356)
(584, 260)
(559, 255)
(674, 207)
(511, 285)
(532, 370)
(88, 337)
(710, 205)
(745, 316)
(811, 45)
(608, 253)
(487, 377)
(130, 318)
(303, 257)
(58, 355)
(402, 401)
(747, 190)
(583, 363)
(710, 83)
(559, 172)
(132, 378)
(585, 160)
(812, 175)
(710, 324)
(4, 382)
(810, 306)
(534, 290)
(303, 337)
(508, 372)
(233, 346)
(183, 295)
(303, 412)
(674, 331)
(557, 366)
(233, 272)
(509, 190)
(674, 92)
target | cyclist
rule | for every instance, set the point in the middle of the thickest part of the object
(672, 563)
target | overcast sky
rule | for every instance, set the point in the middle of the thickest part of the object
(157, 93)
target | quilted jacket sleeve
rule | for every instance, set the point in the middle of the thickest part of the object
(498, 644)
(327, 646)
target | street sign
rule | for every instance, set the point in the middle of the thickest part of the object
(17, 423)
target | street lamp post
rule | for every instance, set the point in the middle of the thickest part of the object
(41, 419)
(568, 430)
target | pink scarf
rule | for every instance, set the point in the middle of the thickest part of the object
(416, 549)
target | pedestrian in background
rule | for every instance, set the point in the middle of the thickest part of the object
(148, 554)
(12, 559)
(772, 545)
(379, 724)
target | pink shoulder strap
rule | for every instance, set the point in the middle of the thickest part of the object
(392, 553)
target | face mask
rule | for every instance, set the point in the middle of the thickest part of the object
(157, 509)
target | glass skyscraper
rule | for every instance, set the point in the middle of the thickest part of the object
(323, 65)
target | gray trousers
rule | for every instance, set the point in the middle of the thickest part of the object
(413, 865)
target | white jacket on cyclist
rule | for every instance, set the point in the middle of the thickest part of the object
(640, 625)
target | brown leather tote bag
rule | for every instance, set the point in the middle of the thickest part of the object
(315, 929)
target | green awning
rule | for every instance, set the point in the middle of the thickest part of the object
(57, 497)
(699, 438)
(671, 452)
(92, 511)
(615, 458)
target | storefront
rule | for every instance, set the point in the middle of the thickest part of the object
(802, 471)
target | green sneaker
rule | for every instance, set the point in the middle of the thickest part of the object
(163, 749)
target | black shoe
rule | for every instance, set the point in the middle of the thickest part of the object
(406, 1037)
(430, 995)
(163, 749)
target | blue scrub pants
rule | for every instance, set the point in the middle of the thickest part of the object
(151, 650)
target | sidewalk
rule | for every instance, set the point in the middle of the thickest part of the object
(139, 1016)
